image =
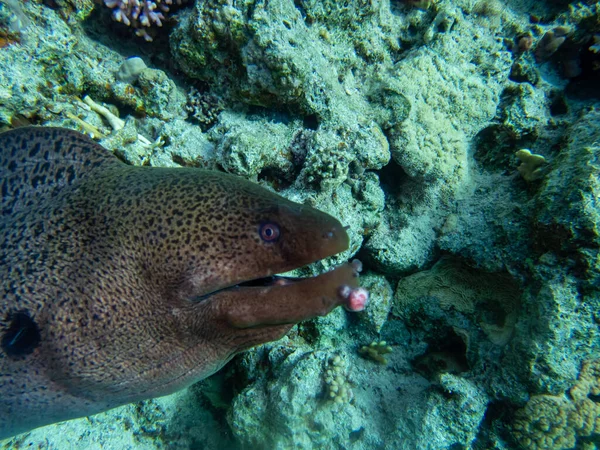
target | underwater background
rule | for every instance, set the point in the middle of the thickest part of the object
(458, 140)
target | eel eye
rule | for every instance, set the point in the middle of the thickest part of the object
(269, 232)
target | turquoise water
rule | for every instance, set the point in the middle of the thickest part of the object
(454, 147)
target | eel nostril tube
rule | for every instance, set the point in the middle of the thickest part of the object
(356, 298)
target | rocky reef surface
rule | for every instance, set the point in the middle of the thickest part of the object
(459, 141)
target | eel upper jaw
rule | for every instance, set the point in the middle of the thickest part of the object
(270, 278)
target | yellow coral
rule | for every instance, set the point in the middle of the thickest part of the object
(531, 167)
(588, 381)
(555, 422)
(336, 379)
(595, 47)
(544, 423)
(375, 351)
(586, 417)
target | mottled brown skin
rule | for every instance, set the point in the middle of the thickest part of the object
(127, 273)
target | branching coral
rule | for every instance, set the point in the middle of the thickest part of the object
(141, 14)
(375, 351)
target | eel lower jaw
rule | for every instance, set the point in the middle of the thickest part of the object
(283, 300)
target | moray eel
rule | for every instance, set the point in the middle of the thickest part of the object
(123, 283)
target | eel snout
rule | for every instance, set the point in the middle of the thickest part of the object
(289, 302)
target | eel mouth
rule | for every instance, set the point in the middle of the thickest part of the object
(273, 280)
(277, 300)
(263, 282)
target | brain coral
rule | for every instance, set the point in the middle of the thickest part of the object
(490, 300)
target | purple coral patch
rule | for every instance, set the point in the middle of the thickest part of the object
(141, 14)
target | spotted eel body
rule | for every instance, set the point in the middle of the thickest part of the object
(122, 283)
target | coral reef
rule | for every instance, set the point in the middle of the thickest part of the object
(457, 141)
(276, 67)
(303, 414)
(241, 142)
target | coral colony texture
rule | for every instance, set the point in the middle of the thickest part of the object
(459, 142)
(140, 14)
